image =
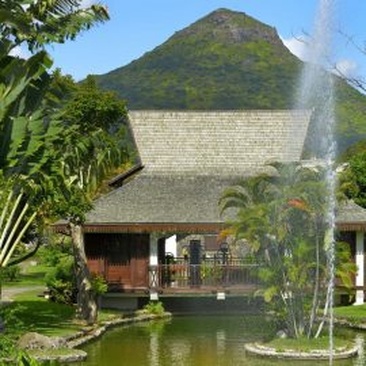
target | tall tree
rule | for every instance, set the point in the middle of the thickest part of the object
(29, 128)
(283, 217)
(93, 147)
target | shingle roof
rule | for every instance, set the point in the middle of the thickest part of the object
(163, 199)
(350, 216)
(209, 142)
(190, 157)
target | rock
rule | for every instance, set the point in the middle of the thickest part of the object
(281, 334)
(34, 340)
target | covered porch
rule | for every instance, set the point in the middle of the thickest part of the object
(142, 263)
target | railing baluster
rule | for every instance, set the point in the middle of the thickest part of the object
(209, 274)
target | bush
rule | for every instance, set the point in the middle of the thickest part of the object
(52, 253)
(13, 356)
(61, 281)
(99, 284)
(10, 274)
(7, 347)
(154, 307)
(9, 316)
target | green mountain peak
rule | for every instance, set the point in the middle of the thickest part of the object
(225, 60)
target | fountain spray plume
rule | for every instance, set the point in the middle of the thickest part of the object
(316, 93)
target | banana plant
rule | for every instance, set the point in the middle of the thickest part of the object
(30, 130)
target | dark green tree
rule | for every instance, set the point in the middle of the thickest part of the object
(94, 145)
(353, 177)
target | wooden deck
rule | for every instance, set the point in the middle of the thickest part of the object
(210, 277)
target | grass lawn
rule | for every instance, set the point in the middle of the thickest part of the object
(30, 275)
(306, 345)
(37, 314)
(353, 313)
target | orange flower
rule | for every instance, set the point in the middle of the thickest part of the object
(298, 203)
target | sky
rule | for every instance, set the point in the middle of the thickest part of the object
(138, 26)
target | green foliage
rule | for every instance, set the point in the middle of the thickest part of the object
(154, 307)
(53, 252)
(30, 132)
(353, 178)
(94, 144)
(24, 359)
(90, 108)
(61, 282)
(12, 321)
(99, 285)
(10, 273)
(211, 273)
(283, 218)
(40, 22)
(12, 355)
(7, 347)
(307, 345)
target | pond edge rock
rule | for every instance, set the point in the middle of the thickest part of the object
(90, 334)
(260, 349)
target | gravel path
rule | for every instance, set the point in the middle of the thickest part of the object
(8, 293)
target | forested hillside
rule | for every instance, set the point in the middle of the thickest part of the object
(226, 60)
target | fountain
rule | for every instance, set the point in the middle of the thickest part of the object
(316, 93)
(180, 340)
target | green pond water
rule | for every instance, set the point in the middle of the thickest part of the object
(200, 340)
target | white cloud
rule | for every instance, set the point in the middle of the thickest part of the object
(297, 46)
(346, 67)
(87, 3)
(20, 52)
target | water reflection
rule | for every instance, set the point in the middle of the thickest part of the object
(194, 341)
(360, 342)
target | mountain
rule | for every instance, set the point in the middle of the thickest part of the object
(226, 60)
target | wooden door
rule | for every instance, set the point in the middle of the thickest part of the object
(140, 261)
(118, 268)
(121, 258)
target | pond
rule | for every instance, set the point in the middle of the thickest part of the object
(199, 340)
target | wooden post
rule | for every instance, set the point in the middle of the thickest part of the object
(360, 262)
(153, 266)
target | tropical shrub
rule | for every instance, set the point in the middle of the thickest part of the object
(154, 307)
(10, 274)
(284, 218)
(61, 281)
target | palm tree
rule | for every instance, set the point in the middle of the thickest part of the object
(283, 218)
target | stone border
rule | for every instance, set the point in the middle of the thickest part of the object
(265, 351)
(80, 338)
(83, 337)
(73, 355)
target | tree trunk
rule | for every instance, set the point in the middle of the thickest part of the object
(86, 303)
(314, 306)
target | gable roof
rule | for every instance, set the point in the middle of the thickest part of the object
(164, 201)
(350, 216)
(188, 159)
(217, 142)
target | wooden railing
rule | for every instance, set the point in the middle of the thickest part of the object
(209, 274)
